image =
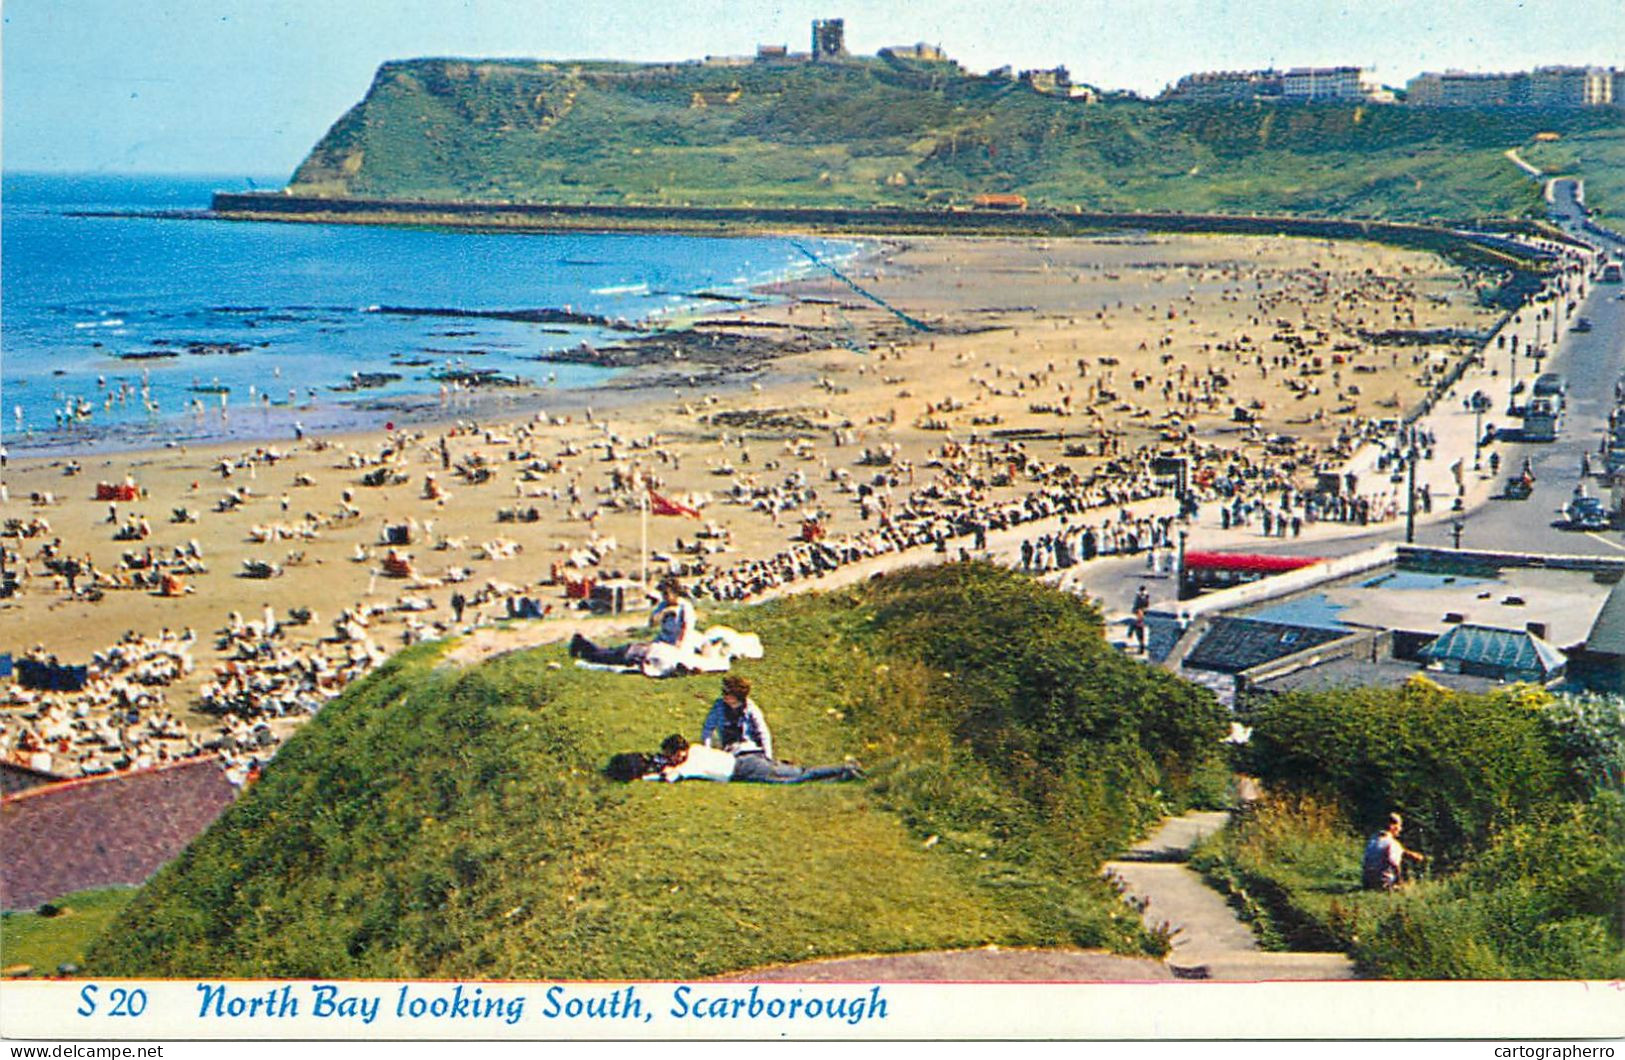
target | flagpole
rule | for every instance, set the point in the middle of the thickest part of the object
(643, 479)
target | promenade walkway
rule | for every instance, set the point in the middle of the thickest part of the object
(1208, 941)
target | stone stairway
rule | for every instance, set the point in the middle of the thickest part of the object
(1209, 942)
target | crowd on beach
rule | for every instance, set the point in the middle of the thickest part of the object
(117, 718)
(835, 493)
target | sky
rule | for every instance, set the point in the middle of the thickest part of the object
(224, 87)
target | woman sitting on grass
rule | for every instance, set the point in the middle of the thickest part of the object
(674, 619)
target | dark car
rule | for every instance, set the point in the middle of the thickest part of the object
(1586, 513)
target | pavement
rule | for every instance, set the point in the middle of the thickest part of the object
(1208, 941)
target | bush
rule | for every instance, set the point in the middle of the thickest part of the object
(1459, 767)
(1589, 732)
(1100, 744)
(1514, 795)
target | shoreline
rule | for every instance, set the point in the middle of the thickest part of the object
(647, 360)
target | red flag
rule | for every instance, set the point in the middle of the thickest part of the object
(661, 506)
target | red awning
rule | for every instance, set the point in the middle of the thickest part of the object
(1246, 562)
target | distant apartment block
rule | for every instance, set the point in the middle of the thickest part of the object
(1571, 86)
(1546, 86)
(1314, 84)
(1225, 86)
(828, 39)
(1459, 88)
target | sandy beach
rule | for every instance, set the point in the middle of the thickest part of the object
(931, 383)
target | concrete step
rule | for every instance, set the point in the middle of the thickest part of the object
(1207, 940)
(1265, 967)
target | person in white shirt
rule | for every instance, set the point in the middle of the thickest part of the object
(1385, 856)
(698, 762)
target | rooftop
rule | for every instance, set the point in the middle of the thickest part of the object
(1503, 649)
(1233, 644)
(1607, 636)
(117, 829)
(1564, 602)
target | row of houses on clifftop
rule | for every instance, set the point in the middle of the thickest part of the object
(1545, 86)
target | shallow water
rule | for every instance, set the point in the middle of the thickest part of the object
(139, 328)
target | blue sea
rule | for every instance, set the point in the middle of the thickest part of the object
(128, 330)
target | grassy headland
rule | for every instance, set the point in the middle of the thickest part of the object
(877, 132)
(436, 822)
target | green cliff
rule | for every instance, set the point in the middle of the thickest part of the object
(913, 133)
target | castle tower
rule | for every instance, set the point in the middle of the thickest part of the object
(828, 39)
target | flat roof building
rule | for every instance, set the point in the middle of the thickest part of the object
(1458, 88)
(1571, 86)
(1225, 86)
(1313, 84)
(919, 52)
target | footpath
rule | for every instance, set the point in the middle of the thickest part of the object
(1208, 940)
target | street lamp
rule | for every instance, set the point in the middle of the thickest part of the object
(1479, 403)
(1410, 490)
(1512, 396)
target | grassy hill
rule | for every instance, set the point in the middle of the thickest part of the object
(435, 822)
(874, 131)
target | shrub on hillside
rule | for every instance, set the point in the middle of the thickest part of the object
(1589, 732)
(1101, 742)
(1539, 903)
(1459, 767)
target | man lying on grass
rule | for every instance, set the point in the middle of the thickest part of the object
(680, 761)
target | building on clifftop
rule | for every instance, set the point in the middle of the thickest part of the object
(1225, 86)
(828, 39)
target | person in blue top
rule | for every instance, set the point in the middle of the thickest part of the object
(674, 620)
(674, 615)
(735, 723)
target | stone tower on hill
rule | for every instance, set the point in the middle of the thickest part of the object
(828, 39)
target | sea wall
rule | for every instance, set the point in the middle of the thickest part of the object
(263, 206)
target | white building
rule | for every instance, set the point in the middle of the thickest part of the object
(1313, 84)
